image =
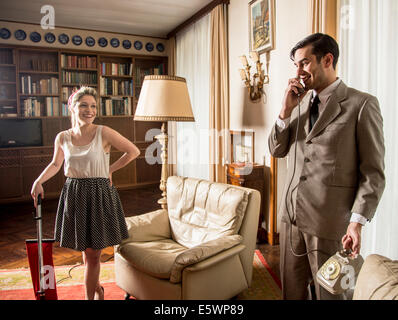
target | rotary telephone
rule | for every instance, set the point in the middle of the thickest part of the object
(339, 273)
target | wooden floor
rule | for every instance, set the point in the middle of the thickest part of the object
(17, 224)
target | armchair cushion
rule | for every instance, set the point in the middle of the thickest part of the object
(149, 226)
(378, 279)
(201, 211)
(155, 258)
(201, 252)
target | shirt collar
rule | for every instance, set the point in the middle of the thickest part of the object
(327, 92)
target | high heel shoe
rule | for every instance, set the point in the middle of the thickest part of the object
(96, 296)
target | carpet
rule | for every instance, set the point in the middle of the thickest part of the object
(16, 284)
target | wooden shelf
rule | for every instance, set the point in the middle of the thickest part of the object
(79, 69)
(116, 76)
(7, 82)
(7, 100)
(39, 72)
(19, 62)
(78, 84)
(38, 95)
(116, 96)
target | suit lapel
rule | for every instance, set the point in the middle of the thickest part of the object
(332, 110)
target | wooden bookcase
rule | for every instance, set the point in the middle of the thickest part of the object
(35, 83)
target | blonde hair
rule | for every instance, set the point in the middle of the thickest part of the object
(75, 97)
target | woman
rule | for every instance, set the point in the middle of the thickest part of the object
(90, 216)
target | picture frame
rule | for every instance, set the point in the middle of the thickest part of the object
(261, 25)
(241, 146)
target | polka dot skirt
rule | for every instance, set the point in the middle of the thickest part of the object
(89, 215)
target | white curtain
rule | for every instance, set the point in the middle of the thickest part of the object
(193, 61)
(369, 49)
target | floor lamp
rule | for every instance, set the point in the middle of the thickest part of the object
(164, 98)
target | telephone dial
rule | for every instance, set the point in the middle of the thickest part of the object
(339, 273)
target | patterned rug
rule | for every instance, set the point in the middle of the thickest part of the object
(16, 284)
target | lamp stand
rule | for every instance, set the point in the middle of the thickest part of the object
(163, 140)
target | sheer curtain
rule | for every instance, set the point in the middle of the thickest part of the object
(192, 63)
(369, 50)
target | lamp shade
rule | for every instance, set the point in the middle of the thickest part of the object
(164, 98)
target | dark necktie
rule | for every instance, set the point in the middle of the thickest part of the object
(314, 111)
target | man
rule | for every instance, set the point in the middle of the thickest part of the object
(333, 137)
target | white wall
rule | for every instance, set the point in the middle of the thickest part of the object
(291, 18)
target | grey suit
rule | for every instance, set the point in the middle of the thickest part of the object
(339, 164)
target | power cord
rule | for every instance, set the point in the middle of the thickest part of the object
(291, 193)
(77, 265)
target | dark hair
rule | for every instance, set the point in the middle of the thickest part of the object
(322, 44)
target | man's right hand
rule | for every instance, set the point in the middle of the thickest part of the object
(291, 98)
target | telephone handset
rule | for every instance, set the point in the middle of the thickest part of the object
(301, 90)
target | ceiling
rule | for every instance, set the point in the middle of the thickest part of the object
(154, 18)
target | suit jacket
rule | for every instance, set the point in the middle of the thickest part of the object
(339, 165)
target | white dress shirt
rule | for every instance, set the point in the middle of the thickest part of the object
(324, 97)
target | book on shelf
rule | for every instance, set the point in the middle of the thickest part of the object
(114, 87)
(71, 77)
(73, 61)
(8, 111)
(43, 65)
(35, 107)
(65, 112)
(116, 69)
(67, 91)
(42, 86)
(142, 72)
(6, 56)
(116, 106)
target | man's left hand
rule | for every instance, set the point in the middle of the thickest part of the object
(352, 239)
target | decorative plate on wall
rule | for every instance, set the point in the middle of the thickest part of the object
(90, 41)
(138, 45)
(115, 42)
(160, 47)
(20, 34)
(77, 40)
(126, 44)
(102, 42)
(149, 46)
(63, 38)
(5, 33)
(49, 37)
(35, 36)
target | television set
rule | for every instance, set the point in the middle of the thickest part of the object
(20, 133)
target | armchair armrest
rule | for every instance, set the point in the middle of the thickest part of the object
(200, 253)
(150, 226)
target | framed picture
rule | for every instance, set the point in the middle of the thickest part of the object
(241, 146)
(262, 25)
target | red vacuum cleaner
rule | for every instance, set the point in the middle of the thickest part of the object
(40, 256)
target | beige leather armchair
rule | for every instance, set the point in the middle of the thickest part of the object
(200, 248)
(378, 279)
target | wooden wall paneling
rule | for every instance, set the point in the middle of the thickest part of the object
(10, 174)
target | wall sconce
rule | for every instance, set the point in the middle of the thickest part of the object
(254, 85)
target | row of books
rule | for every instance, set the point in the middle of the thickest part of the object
(41, 86)
(67, 91)
(44, 65)
(8, 111)
(116, 107)
(6, 56)
(65, 110)
(113, 87)
(68, 61)
(116, 69)
(33, 107)
(141, 73)
(79, 77)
